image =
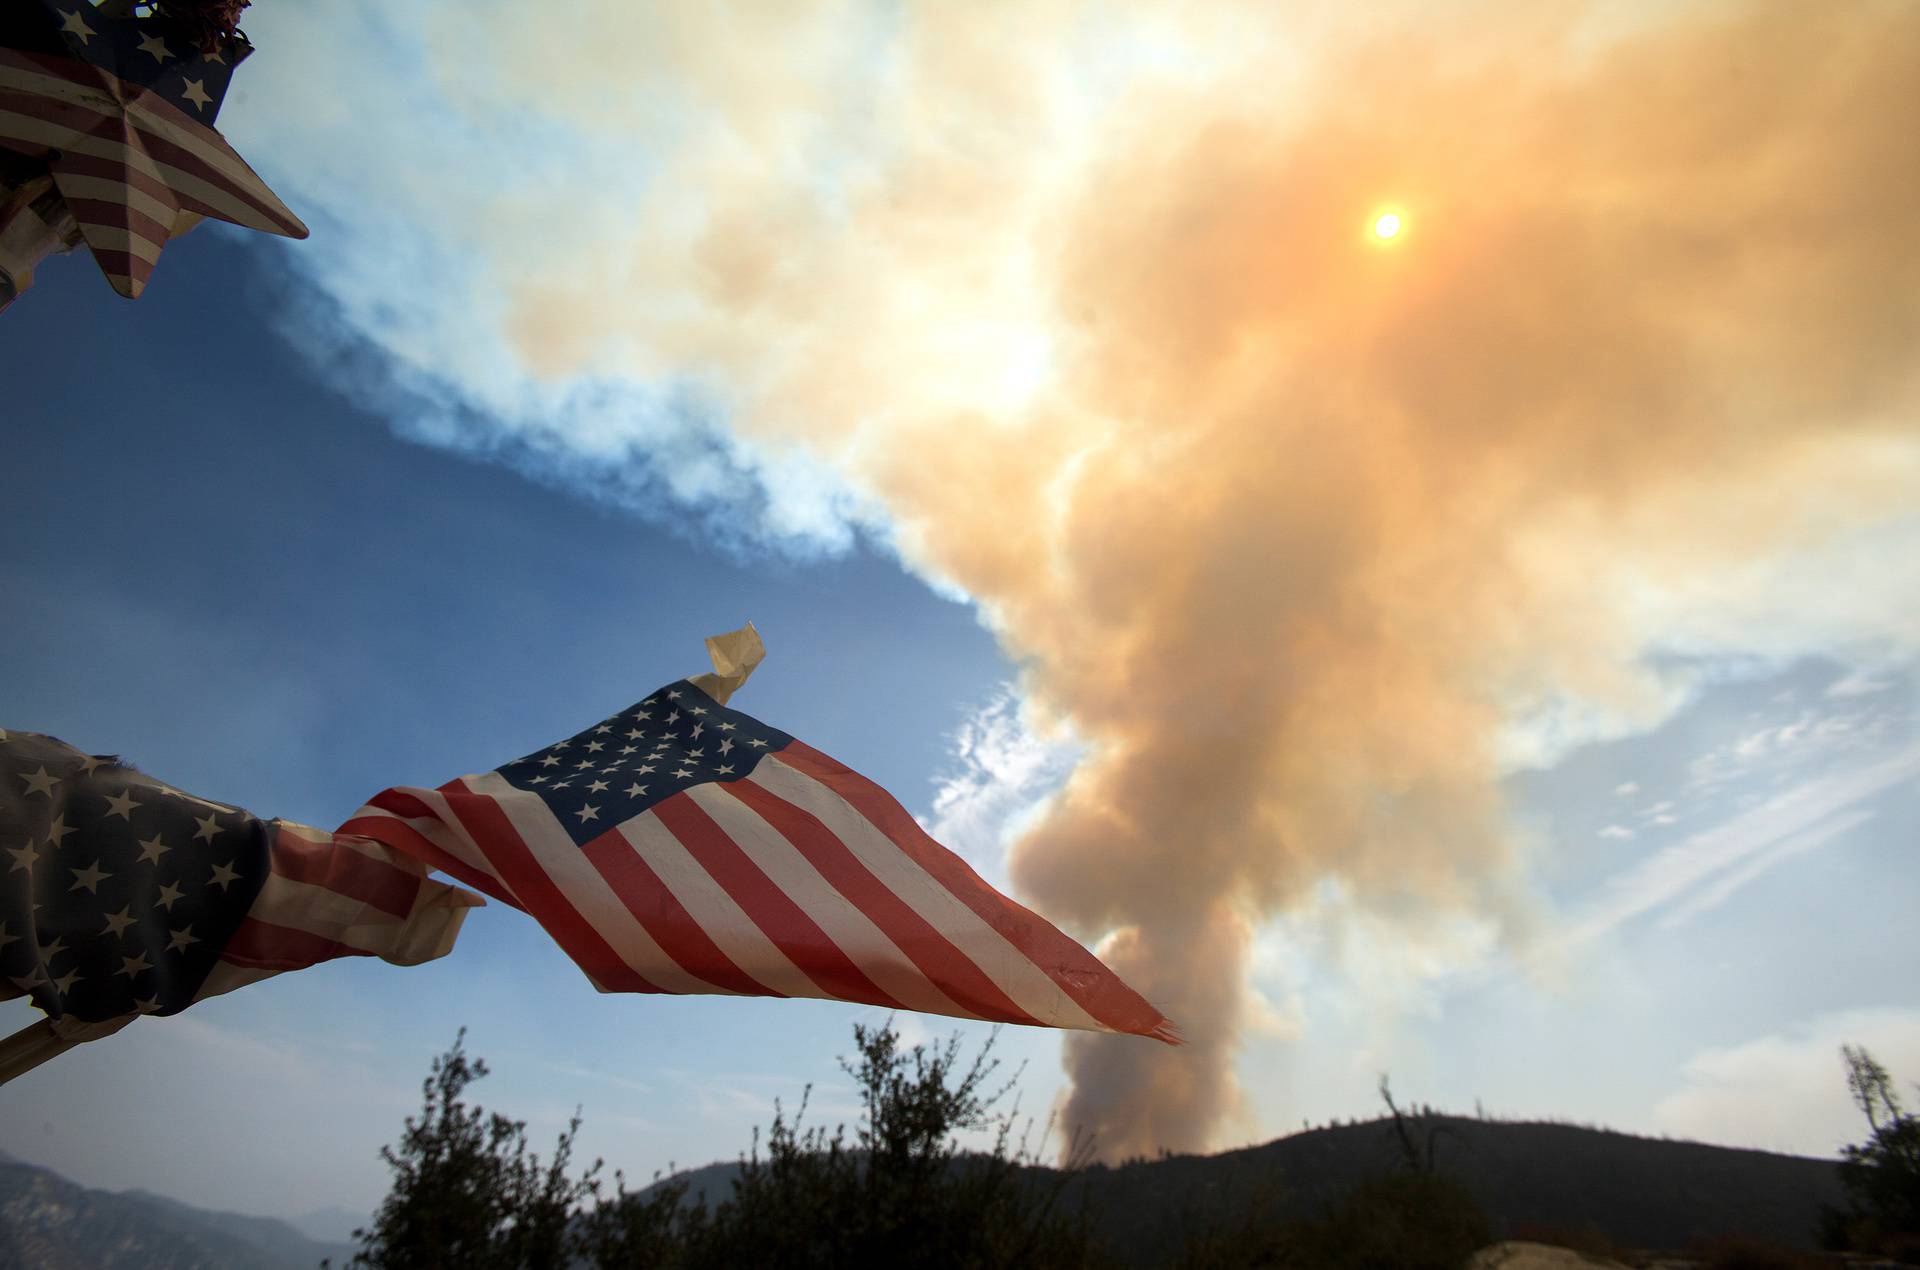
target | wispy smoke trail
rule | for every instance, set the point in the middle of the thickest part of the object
(1303, 533)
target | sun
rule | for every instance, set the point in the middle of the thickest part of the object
(1387, 225)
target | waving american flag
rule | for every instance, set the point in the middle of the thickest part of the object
(121, 895)
(683, 846)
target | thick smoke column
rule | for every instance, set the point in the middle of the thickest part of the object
(1334, 514)
(1298, 530)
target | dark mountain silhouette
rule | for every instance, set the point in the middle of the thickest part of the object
(1639, 1192)
(50, 1223)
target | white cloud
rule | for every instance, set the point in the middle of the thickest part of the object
(1780, 737)
(424, 228)
(1539, 733)
(1616, 832)
(1701, 870)
(1715, 893)
(1389, 965)
(1790, 748)
(1626, 789)
(1859, 683)
(1787, 1091)
(1004, 773)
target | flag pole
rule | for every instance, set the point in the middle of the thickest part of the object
(37, 1042)
(34, 224)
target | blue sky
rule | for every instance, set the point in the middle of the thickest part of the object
(1553, 713)
(240, 581)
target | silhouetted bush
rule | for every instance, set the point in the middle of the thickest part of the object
(1412, 1219)
(1881, 1176)
(1405, 1221)
(900, 1191)
(1402, 1221)
(466, 1192)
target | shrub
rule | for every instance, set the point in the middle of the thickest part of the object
(466, 1192)
(1881, 1176)
(902, 1191)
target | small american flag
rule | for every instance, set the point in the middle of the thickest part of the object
(681, 846)
(121, 110)
(122, 895)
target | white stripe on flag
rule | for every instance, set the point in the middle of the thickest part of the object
(851, 930)
(324, 913)
(214, 154)
(577, 880)
(74, 185)
(425, 932)
(708, 903)
(27, 128)
(31, 79)
(114, 238)
(446, 836)
(1012, 970)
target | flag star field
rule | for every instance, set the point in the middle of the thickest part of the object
(130, 889)
(675, 739)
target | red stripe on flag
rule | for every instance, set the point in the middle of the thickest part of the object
(772, 910)
(228, 171)
(401, 803)
(488, 828)
(72, 116)
(231, 182)
(100, 212)
(346, 872)
(122, 172)
(71, 69)
(949, 969)
(1099, 991)
(122, 264)
(404, 837)
(262, 945)
(665, 918)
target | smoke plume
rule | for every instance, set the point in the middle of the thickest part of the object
(1307, 533)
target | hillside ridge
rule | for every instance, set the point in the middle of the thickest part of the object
(1639, 1191)
(49, 1222)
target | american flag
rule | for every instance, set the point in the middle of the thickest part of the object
(121, 110)
(123, 896)
(681, 846)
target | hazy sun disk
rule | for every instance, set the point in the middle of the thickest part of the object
(1386, 225)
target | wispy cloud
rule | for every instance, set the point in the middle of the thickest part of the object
(1003, 772)
(1860, 683)
(1787, 1091)
(1758, 862)
(1706, 867)
(597, 1074)
(1806, 742)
